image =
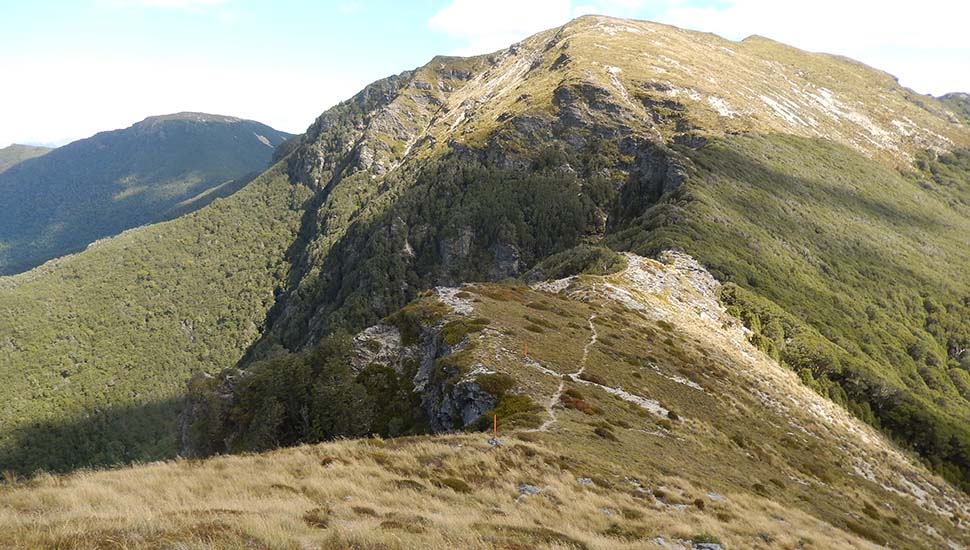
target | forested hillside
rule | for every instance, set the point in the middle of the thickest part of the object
(96, 348)
(97, 187)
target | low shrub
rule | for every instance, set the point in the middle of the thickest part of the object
(605, 433)
(317, 517)
(453, 483)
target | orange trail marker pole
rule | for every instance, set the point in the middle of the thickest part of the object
(494, 426)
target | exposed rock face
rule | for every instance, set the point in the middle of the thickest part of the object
(450, 400)
(457, 248)
(194, 439)
(327, 145)
(506, 263)
(382, 344)
(453, 407)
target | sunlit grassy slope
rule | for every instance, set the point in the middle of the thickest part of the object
(872, 260)
(675, 430)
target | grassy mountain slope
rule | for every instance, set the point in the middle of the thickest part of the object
(960, 104)
(633, 413)
(552, 100)
(841, 218)
(837, 218)
(12, 154)
(865, 264)
(96, 347)
(97, 187)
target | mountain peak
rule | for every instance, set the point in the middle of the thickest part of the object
(190, 116)
(15, 153)
(657, 82)
(99, 186)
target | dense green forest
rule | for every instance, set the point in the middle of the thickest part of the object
(95, 349)
(461, 220)
(303, 398)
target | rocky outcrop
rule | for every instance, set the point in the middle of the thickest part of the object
(505, 263)
(451, 399)
(453, 249)
(455, 406)
(326, 147)
(208, 396)
(382, 344)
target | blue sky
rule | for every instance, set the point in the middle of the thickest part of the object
(74, 67)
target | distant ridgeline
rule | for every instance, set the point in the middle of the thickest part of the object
(155, 170)
(837, 222)
(15, 153)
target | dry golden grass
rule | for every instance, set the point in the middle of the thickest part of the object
(380, 494)
(751, 458)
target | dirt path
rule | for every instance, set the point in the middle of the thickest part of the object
(554, 400)
(550, 407)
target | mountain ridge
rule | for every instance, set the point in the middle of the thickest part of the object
(837, 245)
(16, 153)
(642, 155)
(631, 402)
(98, 186)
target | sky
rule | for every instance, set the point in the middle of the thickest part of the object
(72, 68)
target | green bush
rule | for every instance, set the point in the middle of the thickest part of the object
(495, 383)
(581, 259)
(308, 397)
(512, 410)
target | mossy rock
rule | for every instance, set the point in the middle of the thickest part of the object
(454, 331)
(495, 383)
(411, 319)
(581, 259)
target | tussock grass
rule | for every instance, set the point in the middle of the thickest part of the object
(351, 494)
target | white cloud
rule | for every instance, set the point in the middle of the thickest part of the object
(178, 4)
(489, 26)
(79, 95)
